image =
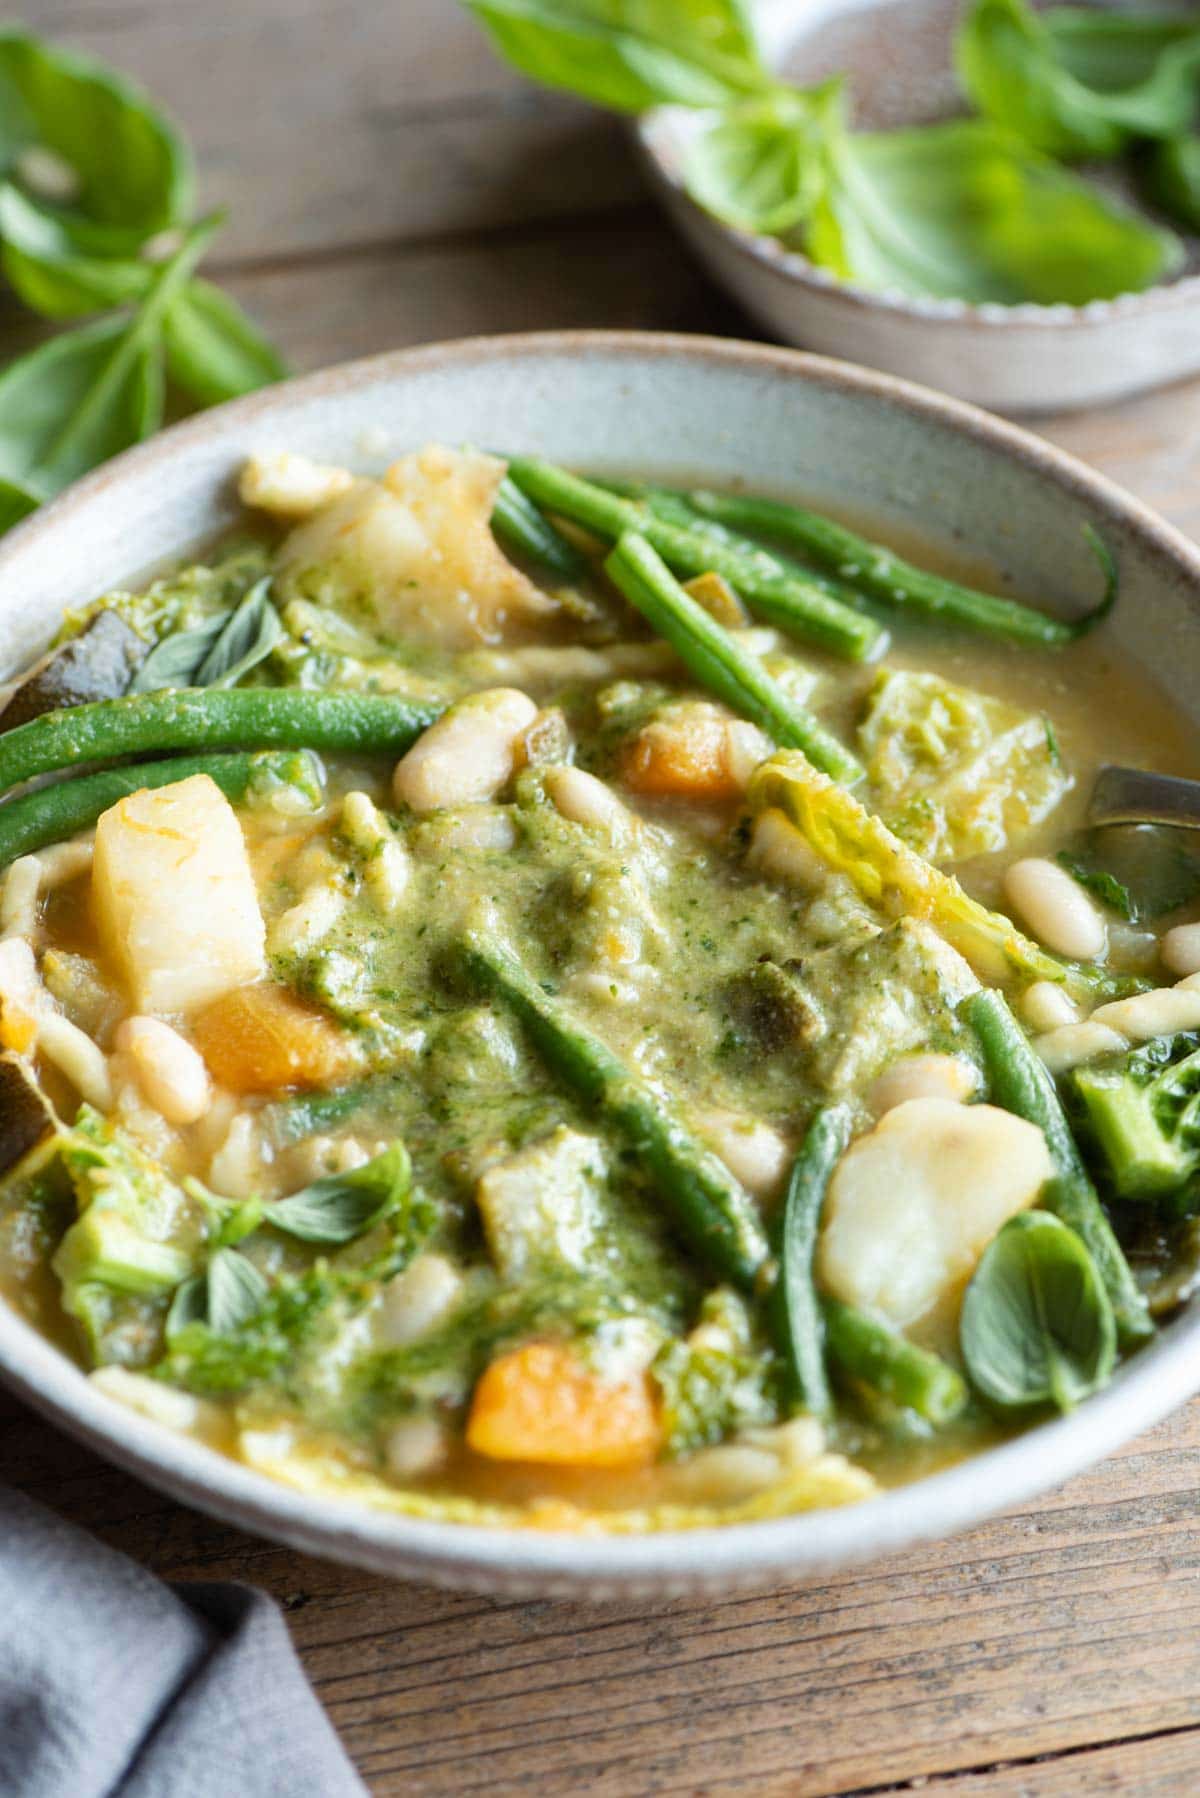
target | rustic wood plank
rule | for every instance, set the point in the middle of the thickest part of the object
(321, 124)
(1156, 1767)
(1068, 1625)
(620, 272)
(1150, 445)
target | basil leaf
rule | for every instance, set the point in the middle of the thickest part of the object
(961, 211)
(761, 166)
(176, 660)
(1143, 870)
(247, 638)
(1106, 887)
(63, 270)
(216, 653)
(16, 502)
(214, 351)
(189, 1306)
(1037, 1326)
(76, 401)
(131, 164)
(1170, 177)
(344, 1206)
(630, 57)
(85, 395)
(1076, 82)
(235, 1290)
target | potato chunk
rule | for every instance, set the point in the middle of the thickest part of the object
(542, 1206)
(417, 551)
(174, 896)
(913, 1204)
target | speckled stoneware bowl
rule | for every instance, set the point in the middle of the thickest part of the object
(897, 54)
(722, 412)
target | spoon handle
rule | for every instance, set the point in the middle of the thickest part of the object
(1133, 796)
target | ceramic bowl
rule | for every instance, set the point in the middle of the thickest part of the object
(1028, 358)
(668, 406)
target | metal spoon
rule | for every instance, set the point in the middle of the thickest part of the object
(1133, 796)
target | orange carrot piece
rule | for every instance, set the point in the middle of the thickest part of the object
(541, 1403)
(262, 1039)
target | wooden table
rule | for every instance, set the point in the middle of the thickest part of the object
(390, 184)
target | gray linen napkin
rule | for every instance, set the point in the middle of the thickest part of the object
(113, 1685)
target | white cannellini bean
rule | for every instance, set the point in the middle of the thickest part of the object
(418, 1299)
(745, 747)
(19, 898)
(753, 1152)
(1072, 1044)
(923, 1077)
(468, 755)
(75, 1054)
(305, 923)
(65, 861)
(583, 799)
(387, 865)
(235, 1171)
(170, 1072)
(723, 1475)
(796, 1442)
(1046, 1006)
(163, 1404)
(1157, 1013)
(474, 827)
(1180, 949)
(1055, 908)
(414, 1446)
(289, 485)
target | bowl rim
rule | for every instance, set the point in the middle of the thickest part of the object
(522, 1560)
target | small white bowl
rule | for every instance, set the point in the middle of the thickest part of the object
(668, 407)
(1011, 358)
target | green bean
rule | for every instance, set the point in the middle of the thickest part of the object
(767, 587)
(888, 578)
(235, 718)
(53, 813)
(1021, 1084)
(711, 1211)
(868, 1350)
(522, 530)
(718, 661)
(291, 1120)
(795, 1307)
(676, 508)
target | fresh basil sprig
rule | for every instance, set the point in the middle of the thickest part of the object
(1077, 82)
(341, 1207)
(91, 175)
(128, 165)
(218, 652)
(1037, 1326)
(965, 210)
(686, 52)
(85, 395)
(332, 1211)
(228, 1293)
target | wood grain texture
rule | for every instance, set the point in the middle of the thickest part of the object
(1068, 1626)
(323, 124)
(391, 184)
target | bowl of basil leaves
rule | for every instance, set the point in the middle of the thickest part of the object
(994, 199)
